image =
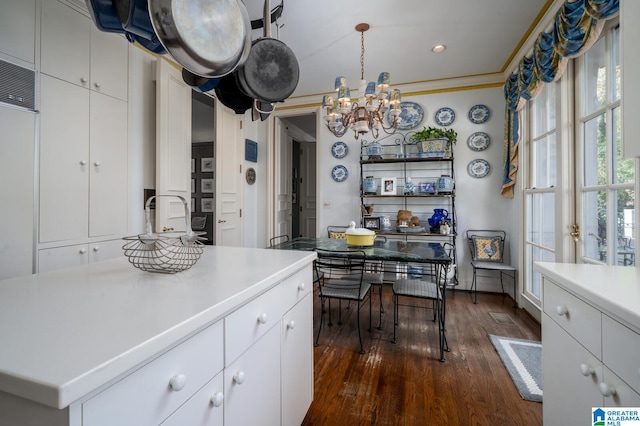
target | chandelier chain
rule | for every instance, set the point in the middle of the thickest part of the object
(361, 55)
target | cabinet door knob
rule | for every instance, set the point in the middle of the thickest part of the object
(562, 310)
(97, 85)
(177, 382)
(586, 370)
(262, 318)
(82, 251)
(239, 377)
(96, 248)
(83, 162)
(606, 390)
(97, 164)
(83, 80)
(217, 399)
(301, 287)
(291, 325)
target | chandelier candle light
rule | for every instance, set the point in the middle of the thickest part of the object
(367, 115)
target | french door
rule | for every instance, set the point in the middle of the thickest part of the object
(579, 192)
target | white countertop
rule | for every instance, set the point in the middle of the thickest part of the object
(64, 334)
(615, 290)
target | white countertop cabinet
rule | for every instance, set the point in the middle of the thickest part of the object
(590, 340)
(105, 344)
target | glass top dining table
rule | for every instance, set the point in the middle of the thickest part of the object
(390, 250)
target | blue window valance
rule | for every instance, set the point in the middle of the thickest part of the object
(576, 28)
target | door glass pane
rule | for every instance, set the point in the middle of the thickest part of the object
(594, 225)
(537, 254)
(624, 167)
(594, 83)
(625, 227)
(542, 216)
(541, 163)
(595, 151)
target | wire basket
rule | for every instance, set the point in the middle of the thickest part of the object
(167, 252)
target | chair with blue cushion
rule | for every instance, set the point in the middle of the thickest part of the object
(487, 254)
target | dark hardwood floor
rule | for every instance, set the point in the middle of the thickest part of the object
(404, 383)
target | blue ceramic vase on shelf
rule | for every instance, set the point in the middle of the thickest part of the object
(374, 151)
(438, 215)
(369, 186)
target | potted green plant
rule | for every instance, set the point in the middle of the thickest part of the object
(434, 141)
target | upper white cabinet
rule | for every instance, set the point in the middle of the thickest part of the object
(83, 179)
(74, 50)
(18, 29)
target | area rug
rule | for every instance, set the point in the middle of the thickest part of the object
(523, 360)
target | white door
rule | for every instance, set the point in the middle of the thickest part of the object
(228, 177)
(307, 189)
(173, 146)
(283, 146)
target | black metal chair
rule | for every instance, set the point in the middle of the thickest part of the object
(434, 291)
(278, 239)
(487, 254)
(342, 273)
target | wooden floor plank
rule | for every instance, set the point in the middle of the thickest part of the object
(404, 383)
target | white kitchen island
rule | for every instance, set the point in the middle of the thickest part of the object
(590, 340)
(227, 341)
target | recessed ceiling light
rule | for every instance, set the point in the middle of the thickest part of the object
(439, 48)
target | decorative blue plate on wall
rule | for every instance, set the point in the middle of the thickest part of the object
(339, 173)
(445, 117)
(479, 114)
(339, 149)
(478, 141)
(411, 114)
(478, 168)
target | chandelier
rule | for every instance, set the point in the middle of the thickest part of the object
(366, 113)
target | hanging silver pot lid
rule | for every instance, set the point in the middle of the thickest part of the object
(210, 38)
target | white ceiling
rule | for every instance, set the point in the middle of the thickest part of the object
(481, 37)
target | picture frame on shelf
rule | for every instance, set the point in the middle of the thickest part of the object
(372, 223)
(206, 205)
(388, 186)
(207, 164)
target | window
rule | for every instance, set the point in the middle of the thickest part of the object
(605, 181)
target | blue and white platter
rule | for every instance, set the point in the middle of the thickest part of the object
(411, 115)
(339, 149)
(478, 141)
(479, 114)
(445, 117)
(339, 173)
(478, 168)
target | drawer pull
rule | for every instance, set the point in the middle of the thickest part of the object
(82, 251)
(239, 377)
(177, 382)
(562, 310)
(301, 287)
(586, 370)
(262, 318)
(217, 398)
(291, 325)
(606, 390)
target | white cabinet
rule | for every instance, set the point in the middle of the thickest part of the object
(18, 30)
(74, 50)
(297, 362)
(16, 193)
(78, 254)
(252, 384)
(589, 358)
(83, 163)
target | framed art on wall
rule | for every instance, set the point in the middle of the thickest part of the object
(251, 150)
(207, 164)
(206, 205)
